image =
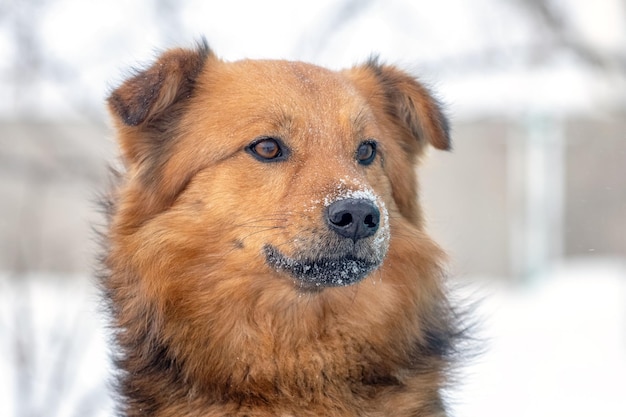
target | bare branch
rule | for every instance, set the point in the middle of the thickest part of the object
(564, 36)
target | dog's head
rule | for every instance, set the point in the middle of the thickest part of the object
(270, 166)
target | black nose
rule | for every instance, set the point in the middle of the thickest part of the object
(353, 218)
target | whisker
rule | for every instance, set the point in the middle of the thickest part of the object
(263, 230)
(281, 218)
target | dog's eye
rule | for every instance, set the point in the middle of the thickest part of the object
(366, 152)
(267, 149)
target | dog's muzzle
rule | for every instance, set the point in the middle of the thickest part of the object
(356, 247)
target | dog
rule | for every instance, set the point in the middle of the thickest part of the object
(265, 252)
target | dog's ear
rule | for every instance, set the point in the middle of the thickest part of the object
(405, 101)
(148, 100)
(146, 111)
(410, 116)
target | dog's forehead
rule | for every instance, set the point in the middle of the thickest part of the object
(303, 104)
(286, 84)
(313, 78)
(307, 76)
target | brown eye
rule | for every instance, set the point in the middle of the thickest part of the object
(267, 149)
(366, 152)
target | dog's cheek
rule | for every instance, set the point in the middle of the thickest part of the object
(399, 165)
(227, 209)
(394, 180)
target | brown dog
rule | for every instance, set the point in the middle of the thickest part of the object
(265, 253)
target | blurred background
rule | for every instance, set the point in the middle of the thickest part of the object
(531, 204)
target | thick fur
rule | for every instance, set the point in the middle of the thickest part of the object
(205, 325)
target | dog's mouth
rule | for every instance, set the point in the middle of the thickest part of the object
(322, 272)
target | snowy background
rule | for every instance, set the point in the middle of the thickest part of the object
(531, 205)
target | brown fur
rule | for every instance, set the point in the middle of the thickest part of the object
(205, 326)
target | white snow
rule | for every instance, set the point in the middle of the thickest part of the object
(555, 347)
(53, 340)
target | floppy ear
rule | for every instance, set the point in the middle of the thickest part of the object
(409, 104)
(146, 111)
(149, 102)
(411, 117)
